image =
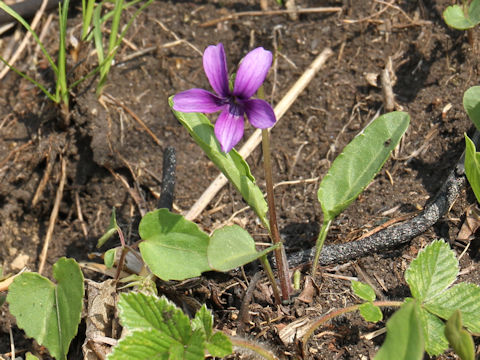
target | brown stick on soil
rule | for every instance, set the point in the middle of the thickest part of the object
(270, 13)
(25, 40)
(256, 137)
(53, 216)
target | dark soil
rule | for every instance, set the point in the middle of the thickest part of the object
(102, 144)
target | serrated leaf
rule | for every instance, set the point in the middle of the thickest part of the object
(150, 344)
(52, 315)
(404, 339)
(455, 17)
(173, 247)
(204, 321)
(370, 312)
(434, 269)
(363, 291)
(159, 330)
(231, 247)
(359, 162)
(111, 230)
(219, 345)
(141, 311)
(433, 333)
(458, 338)
(464, 297)
(471, 103)
(232, 165)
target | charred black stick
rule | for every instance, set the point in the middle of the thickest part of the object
(168, 179)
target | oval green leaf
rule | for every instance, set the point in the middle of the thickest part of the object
(232, 165)
(363, 291)
(51, 316)
(404, 339)
(173, 247)
(370, 312)
(472, 166)
(359, 162)
(231, 247)
(459, 339)
(471, 103)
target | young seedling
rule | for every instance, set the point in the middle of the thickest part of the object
(429, 320)
(356, 167)
(158, 329)
(464, 17)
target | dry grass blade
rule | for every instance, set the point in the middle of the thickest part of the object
(53, 216)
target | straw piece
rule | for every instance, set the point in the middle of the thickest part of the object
(256, 137)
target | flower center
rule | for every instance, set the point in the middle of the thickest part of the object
(235, 107)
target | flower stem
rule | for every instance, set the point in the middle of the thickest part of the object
(319, 244)
(280, 257)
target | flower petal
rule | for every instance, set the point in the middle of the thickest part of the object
(259, 113)
(215, 66)
(197, 100)
(252, 72)
(228, 130)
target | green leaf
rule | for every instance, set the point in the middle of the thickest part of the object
(464, 297)
(404, 339)
(359, 162)
(219, 345)
(472, 166)
(47, 312)
(232, 165)
(433, 333)
(459, 339)
(204, 321)
(455, 16)
(471, 103)
(231, 247)
(111, 230)
(159, 329)
(109, 257)
(363, 291)
(173, 247)
(370, 312)
(152, 344)
(30, 356)
(434, 269)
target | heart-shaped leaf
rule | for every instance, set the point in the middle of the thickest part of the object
(47, 312)
(231, 247)
(173, 247)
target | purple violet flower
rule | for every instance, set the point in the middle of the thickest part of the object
(234, 105)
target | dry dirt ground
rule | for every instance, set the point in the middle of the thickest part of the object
(113, 161)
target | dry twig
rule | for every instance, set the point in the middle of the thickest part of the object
(53, 216)
(25, 40)
(272, 12)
